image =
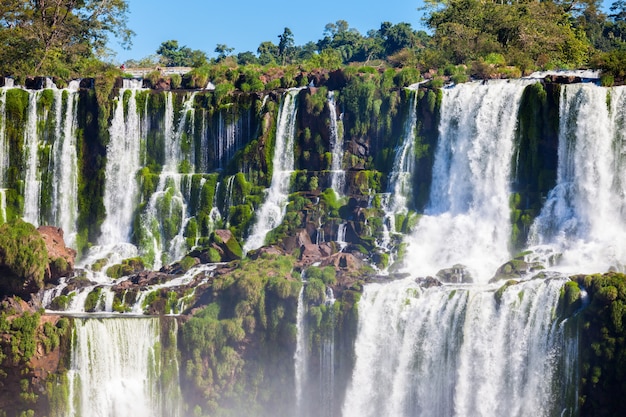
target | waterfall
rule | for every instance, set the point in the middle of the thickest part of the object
(166, 214)
(400, 178)
(64, 170)
(338, 175)
(123, 163)
(467, 219)
(32, 176)
(583, 217)
(457, 351)
(300, 356)
(271, 213)
(4, 156)
(226, 145)
(115, 370)
(4, 144)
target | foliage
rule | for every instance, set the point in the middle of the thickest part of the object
(173, 55)
(526, 34)
(603, 342)
(255, 301)
(23, 258)
(58, 37)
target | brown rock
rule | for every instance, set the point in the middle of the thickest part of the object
(61, 257)
(310, 254)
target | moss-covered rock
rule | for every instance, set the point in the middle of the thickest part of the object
(23, 259)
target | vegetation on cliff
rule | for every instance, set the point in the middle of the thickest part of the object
(23, 259)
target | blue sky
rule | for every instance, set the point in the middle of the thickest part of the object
(244, 24)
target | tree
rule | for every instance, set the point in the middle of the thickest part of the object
(268, 53)
(285, 45)
(223, 51)
(247, 58)
(52, 36)
(174, 55)
(527, 34)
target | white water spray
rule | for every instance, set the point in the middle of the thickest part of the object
(467, 219)
(123, 163)
(271, 213)
(338, 175)
(456, 351)
(583, 217)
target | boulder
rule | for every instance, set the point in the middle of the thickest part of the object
(227, 245)
(310, 253)
(456, 275)
(61, 257)
(428, 282)
(515, 268)
(344, 261)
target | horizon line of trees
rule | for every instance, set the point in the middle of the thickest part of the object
(68, 38)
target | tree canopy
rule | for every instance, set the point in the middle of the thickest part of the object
(67, 38)
(58, 36)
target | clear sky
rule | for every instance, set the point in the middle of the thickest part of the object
(244, 24)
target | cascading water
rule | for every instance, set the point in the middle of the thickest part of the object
(583, 217)
(32, 177)
(166, 213)
(4, 144)
(115, 370)
(467, 219)
(400, 178)
(64, 169)
(123, 163)
(300, 356)
(457, 351)
(4, 155)
(395, 202)
(338, 175)
(271, 213)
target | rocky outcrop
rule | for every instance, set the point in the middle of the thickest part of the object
(457, 274)
(61, 257)
(515, 268)
(226, 245)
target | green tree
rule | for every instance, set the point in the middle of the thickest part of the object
(527, 34)
(174, 55)
(285, 45)
(247, 58)
(57, 36)
(223, 51)
(268, 53)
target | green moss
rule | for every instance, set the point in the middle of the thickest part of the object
(24, 256)
(94, 300)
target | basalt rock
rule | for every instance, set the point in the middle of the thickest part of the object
(515, 268)
(61, 257)
(457, 274)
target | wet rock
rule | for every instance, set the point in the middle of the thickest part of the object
(428, 282)
(515, 268)
(456, 275)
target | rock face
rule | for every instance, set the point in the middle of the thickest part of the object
(457, 274)
(516, 268)
(227, 245)
(61, 257)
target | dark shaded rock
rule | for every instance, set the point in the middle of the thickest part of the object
(515, 268)
(428, 282)
(456, 275)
